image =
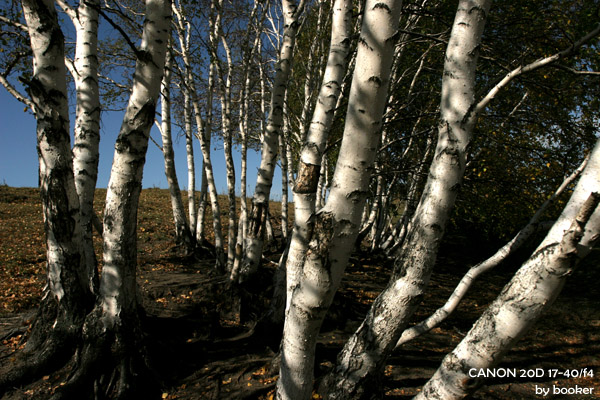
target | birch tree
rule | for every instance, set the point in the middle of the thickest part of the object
(67, 296)
(530, 292)
(309, 169)
(292, 11)
(183, 234)
(87, 121)
(367, 350)
(336, 224)
(114, 323)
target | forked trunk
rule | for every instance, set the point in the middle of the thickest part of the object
(336, 225)
(260, 202)
(111, 339)
(67, 296)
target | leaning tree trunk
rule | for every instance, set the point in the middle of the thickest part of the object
(183, 236)
(67, 296)
(530, 292)
(112, 342)
(336, 225)
(366, 352)
(260, 202)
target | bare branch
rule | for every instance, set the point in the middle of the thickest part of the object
(15, 93)
(540, 63)
(465, 283)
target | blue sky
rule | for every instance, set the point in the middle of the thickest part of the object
(19, 163)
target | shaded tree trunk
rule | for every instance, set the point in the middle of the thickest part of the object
(67, 296)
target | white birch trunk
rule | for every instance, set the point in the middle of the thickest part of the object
(367, 350)
(183, 235)
(309, 170)
(337, 224)
(118, 287)
(87, 125)
(67, 293)
(260, 201)
(203, 136)
(530, 292)
(189, 147)
(474, 272)
(244, 107)
(226, 124)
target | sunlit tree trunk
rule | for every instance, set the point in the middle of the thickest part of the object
(305, 187)
(87, 124)
(189, 147)
(260, 202)
(336, 225)
(183, 235)
(530, 292)
(366, 352)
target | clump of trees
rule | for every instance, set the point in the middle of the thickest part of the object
(391, 121)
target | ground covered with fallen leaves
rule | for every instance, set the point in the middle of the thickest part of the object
(202, 349)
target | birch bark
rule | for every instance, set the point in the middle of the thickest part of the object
(367, 350)
(530, 292)
(67, 296)
(203, 136)
(87, 125)
(183, 236)
(336, 225)
(260, 202)
(114, 322)
(309, 169)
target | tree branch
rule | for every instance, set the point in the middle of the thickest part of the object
(540, 63)
(474, 272)
(15, 93)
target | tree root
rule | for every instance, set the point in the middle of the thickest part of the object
(111, 364)
(51, 343)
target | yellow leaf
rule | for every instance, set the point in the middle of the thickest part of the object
(165, 395)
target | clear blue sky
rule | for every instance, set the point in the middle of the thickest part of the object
(19, 163)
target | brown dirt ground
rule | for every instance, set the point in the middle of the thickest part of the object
(200, 347)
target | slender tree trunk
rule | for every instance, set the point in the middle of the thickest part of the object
(112, 333)
(87, 126)
(530, 292)
(226, 124)
(366, 352)
(336, 225)
(203, 136)
(67, 295)
(189, 147)
(260, 201)
(183, 236)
